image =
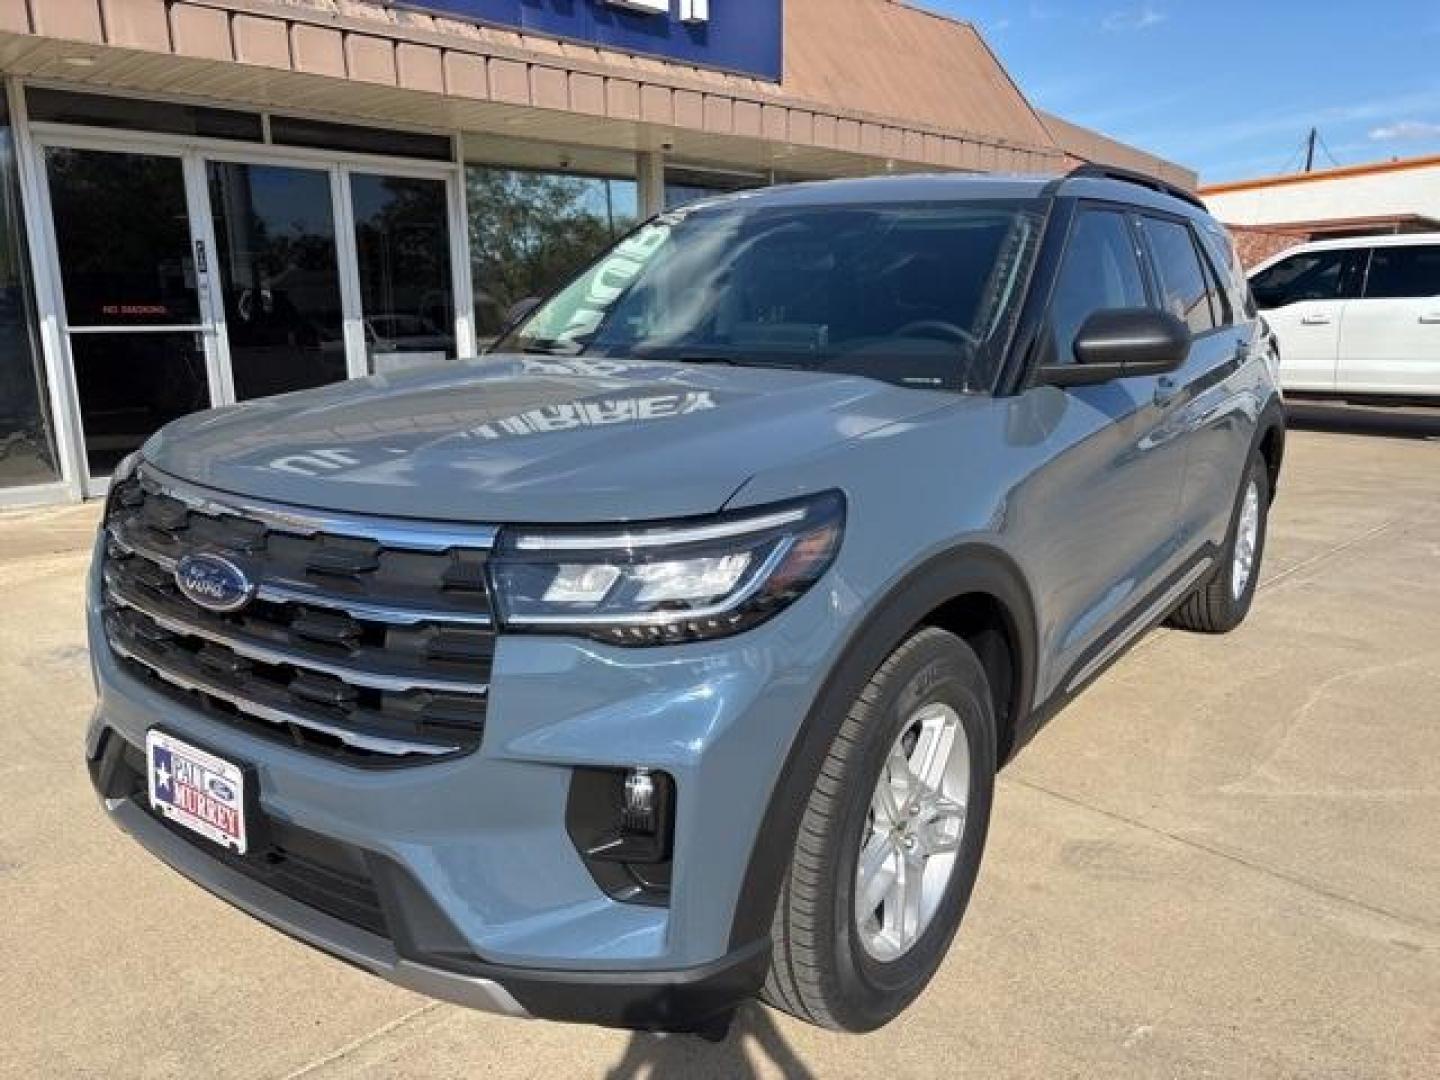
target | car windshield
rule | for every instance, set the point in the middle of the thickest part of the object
(917, 294)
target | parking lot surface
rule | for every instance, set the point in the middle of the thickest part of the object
(1223, 860)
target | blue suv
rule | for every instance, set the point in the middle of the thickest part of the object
(665, 656)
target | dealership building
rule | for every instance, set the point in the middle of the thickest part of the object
(207, 201)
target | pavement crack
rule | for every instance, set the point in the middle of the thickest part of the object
(1408, 920)
(1319, 557)
(340, 1053)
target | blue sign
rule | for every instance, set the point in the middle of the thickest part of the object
(741, 36)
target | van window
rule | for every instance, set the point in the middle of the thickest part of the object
(1185, 291)
(1100, 272)
(1404, 271)
(1308, 275)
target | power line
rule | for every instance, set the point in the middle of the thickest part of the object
(1328, 154)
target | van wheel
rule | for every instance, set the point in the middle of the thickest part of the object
(1222, 602)
(890, 842)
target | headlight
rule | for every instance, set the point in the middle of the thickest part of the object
(665, 583)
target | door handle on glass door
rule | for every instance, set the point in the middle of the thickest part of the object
(1318, 319)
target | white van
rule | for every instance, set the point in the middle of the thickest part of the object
(1359, 315)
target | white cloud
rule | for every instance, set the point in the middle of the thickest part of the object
(1134, 18)
(1406, 130)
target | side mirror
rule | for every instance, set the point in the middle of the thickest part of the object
(518, 310)
(1121, 343)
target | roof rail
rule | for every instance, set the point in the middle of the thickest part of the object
(1129, 176)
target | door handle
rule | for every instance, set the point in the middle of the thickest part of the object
(1315, 320)
(1165, 390)
(1431, 317)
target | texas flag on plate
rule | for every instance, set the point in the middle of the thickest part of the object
(197, 790)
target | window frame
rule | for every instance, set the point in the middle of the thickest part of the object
(1126, 212)
(1212, 287)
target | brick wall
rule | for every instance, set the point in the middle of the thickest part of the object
(1257, 243)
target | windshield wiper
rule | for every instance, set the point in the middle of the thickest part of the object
(549, 347)
(681, 355)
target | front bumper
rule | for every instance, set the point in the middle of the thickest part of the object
(483, 897)
(658, 1000)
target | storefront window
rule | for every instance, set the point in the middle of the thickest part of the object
(686, 185)
(530, 232)
(27, 445)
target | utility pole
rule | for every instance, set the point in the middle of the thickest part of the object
(1310, 150)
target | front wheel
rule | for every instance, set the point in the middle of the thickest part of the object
(1221, 603)
(890, 843)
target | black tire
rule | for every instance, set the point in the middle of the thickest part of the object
(821, 972)
(1213, 608)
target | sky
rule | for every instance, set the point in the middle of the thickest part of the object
(1228, 88)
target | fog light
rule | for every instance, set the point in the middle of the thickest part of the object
(638, 813)
(622, 822)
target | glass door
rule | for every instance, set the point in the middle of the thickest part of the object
(279, 276)
(192, 278)
(135, 300)
(403, 260)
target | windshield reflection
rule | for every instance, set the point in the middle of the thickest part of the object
(918, 294)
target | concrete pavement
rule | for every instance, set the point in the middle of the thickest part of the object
(1223, 860)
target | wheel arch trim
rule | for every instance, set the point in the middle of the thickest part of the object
(968, 568)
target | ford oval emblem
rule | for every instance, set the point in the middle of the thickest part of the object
(220, 789)
(213, 582)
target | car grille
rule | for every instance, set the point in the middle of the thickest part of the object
(368, 639)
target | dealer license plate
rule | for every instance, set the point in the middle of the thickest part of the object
(196, 789)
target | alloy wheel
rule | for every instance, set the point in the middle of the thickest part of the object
(911, 844)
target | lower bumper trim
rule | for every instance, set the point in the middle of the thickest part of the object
(683, 1000)
(349, 943)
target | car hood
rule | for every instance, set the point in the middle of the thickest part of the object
(532, 439)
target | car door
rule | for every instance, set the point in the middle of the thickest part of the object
(1207, 411)
(1390, 335)
(1302, 297)
(1101, 513)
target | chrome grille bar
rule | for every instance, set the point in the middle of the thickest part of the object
(390, 532)
(282, 594)
(265, 654)
(374, 743)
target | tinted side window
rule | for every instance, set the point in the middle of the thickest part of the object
(1219, 295)
(1404, 271)
(1100, 271)
(1311, 275)
(1225, 261)
(1185, 292)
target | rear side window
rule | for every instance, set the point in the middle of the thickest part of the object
(1404, 271)
(1100, 271)
(1310, 275)
(1223, 261)
(1185, 289)
(1219, 295)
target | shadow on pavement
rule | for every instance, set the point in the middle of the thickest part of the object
(1342, 418)
(658, 1057)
